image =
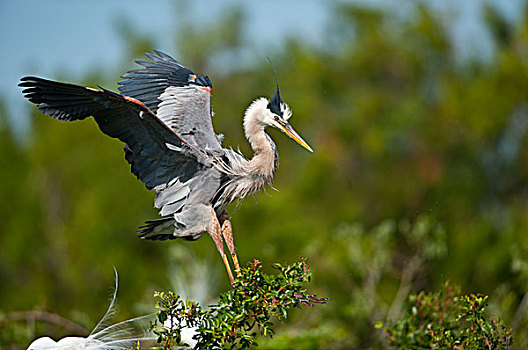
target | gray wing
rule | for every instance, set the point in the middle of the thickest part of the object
(156, 154)
(180, 99)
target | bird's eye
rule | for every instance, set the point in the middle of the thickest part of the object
(276, 118)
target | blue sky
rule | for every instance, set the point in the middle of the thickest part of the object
(73, 37)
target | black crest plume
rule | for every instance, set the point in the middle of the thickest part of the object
(274, 104)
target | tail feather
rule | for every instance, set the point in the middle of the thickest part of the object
(157, 230)
(163, 229)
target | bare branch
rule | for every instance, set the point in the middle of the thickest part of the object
(44, 316)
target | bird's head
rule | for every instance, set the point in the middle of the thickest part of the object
(276, 114)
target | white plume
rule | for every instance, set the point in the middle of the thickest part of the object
(104, 336)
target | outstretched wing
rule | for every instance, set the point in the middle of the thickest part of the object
(156, 154)
(180, 99)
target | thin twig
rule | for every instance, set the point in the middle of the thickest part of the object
(519, 313)
(404, 288)
(44, 316)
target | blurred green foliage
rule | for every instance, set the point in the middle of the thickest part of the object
(419, 175)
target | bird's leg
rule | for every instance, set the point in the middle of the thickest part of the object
(216, 234)
(227, 232)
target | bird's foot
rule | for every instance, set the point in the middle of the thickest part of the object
(235, 262)
(229, 273)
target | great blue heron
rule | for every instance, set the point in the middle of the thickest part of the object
(163, 115)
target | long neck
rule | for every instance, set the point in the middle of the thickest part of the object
(264, 157)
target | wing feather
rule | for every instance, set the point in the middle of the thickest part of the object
(179, 98)
(146, 137)
(154, 78)
(186, 111)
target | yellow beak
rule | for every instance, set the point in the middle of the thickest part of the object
(288, 130)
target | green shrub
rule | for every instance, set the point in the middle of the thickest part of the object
(447, 320)
(256, 300)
